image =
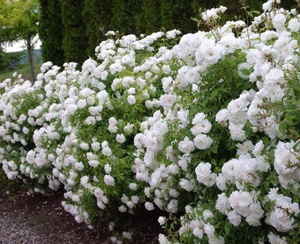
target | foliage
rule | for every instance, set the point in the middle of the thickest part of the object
(176, 14)
(205, 130)
(19, 20)
(51, 31)
(97, 17)
(148, 21)
(19, 61)
(74, 38)
(94, 18)
(124, 14)
(9, 61)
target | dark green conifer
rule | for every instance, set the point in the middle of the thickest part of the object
(51, 31)
(97, 17)
(149, 18)
(74, 40)
(177, 14)
(124, 16)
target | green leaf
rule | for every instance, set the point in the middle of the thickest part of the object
(282, 128)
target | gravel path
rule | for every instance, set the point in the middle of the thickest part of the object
(13, 229)
(41, 219)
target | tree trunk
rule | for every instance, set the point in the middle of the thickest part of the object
(30, 58)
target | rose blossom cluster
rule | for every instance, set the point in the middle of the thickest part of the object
(194, 130)
(251, 112)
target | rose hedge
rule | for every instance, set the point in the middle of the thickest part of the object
(205, 129)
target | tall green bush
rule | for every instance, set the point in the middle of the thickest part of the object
(51, 31)
(176, 14)
(2, 60)
(74, 40)
(97, 17)
(149, 20)
(124, 15)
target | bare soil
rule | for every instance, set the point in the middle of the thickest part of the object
(44, 215)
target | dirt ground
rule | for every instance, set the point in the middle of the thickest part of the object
(44, 215)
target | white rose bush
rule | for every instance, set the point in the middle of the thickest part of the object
(204, 129)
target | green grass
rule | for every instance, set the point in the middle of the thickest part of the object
(23, 69)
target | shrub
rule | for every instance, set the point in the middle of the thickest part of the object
(206, 130)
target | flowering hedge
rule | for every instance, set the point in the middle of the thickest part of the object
(205, 129)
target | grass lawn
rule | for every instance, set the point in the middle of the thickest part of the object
(23, 68)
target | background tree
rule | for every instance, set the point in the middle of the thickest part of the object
(19, 20)
(97, 16)
(74, 39)
(124, 16)
(3, 34)
(51, 31)
(177, 14)
(149, 19)
(166, 12)
(2, 60)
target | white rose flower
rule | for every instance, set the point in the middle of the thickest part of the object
(203, 171)
(186, 184)
(294, 25)
(106, 151)
(95, 146)
(166, 69)
(207, 214)
(81, 103)
(131, 99)
(198, 118)
(149, 104)
(84, 146)
(107, 168)
(203, 126)
(198, 232)
(234, 218)
(267, 6)
(167, 100)
(279, 20)
(163, 239)
(135, 199)
(79, 166)
(93, 163)
(188, 209)
(112, 121)
(240, 202)
(161, 220)
(202, 141)
(222, 203)
(131, 90)
(209, 229)
(256, 214)
(109, 180)
(149, 206)
(101, 205)
(84, 180)
(276, 239)
(280, 220)
(128, 128)
(221, 182)
(186, 146)
(120, 138)
(133, 186)
(127, 235)
(122, 209)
